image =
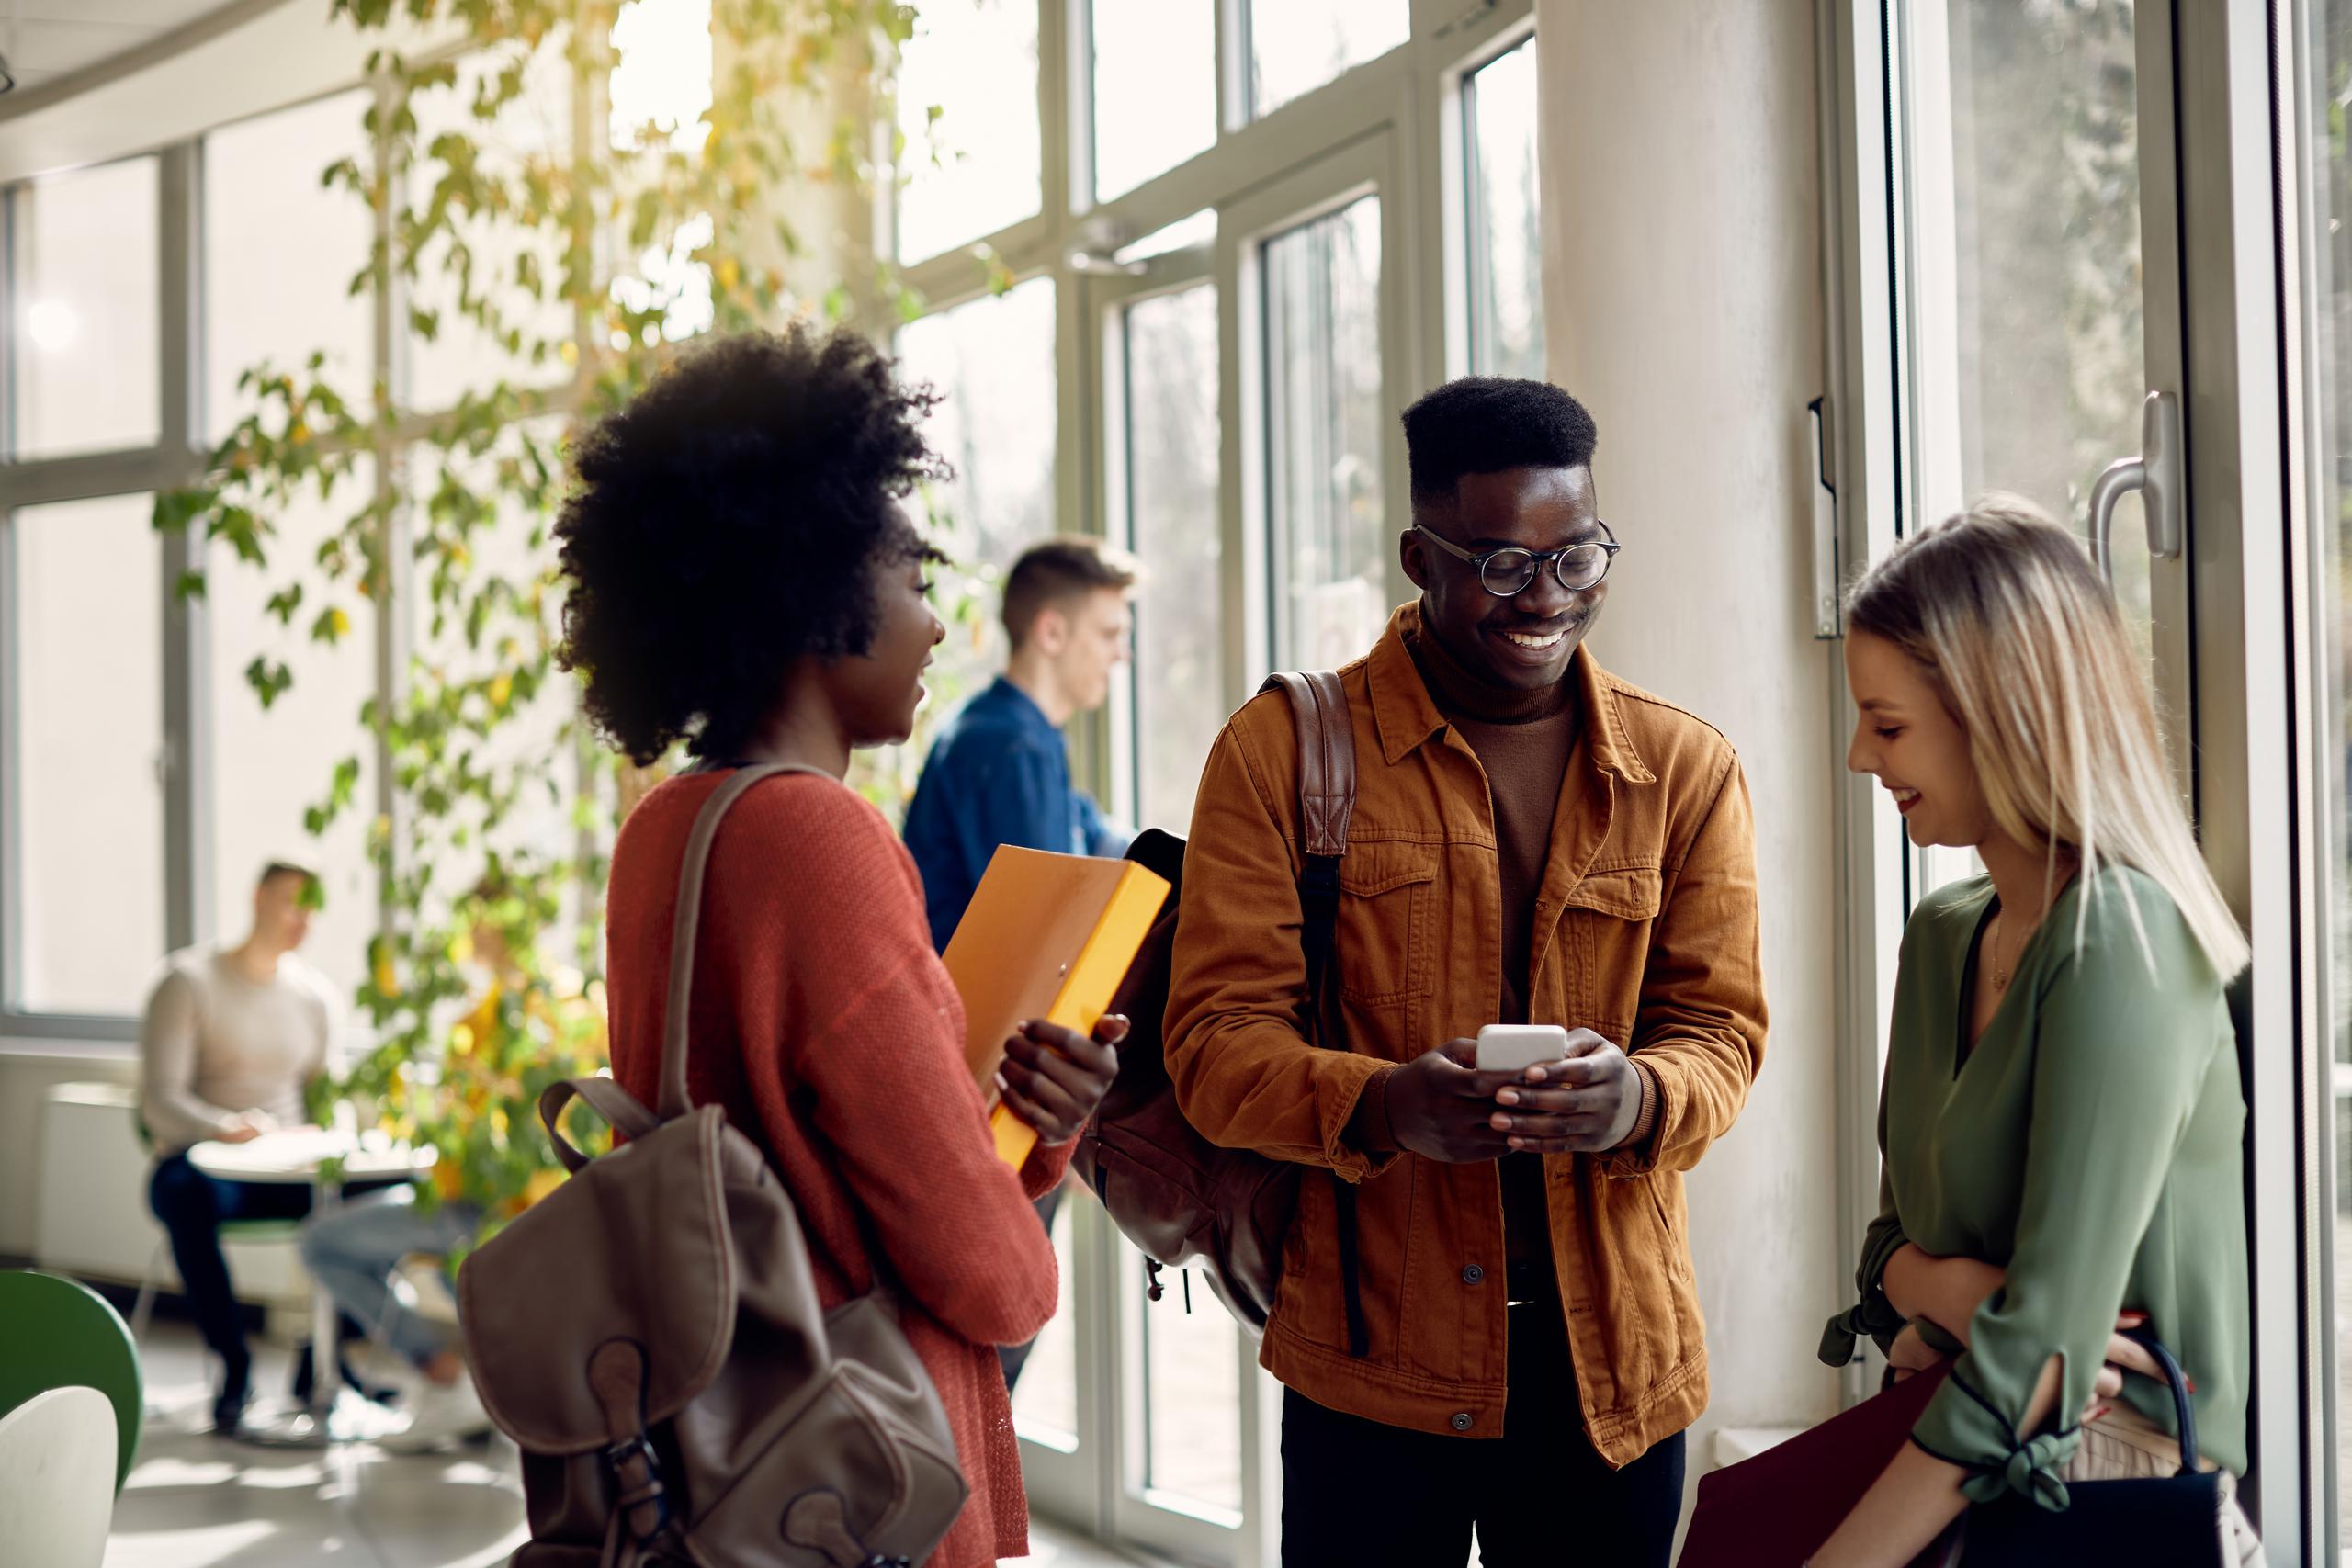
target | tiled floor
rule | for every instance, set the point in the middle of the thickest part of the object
(198, 1501)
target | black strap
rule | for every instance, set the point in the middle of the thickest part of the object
(1319, 906)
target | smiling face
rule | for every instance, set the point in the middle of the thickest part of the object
(1911, 744)
(1523, 642)
(876, 693)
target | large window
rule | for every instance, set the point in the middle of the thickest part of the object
(2329, 300)
(148, 780)
(1504, 231)
(88, 327)
(1155, 88)
(1169, 358)
(1327, 417)
(2025, 273)
(1295, 46)
(280, 251)
(86, 660)
(992, 360)
(968, 108)
(269, 765)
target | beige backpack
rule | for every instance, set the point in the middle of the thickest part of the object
(649, 1335)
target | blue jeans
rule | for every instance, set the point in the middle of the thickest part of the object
(192, 1207)
(351, 1251)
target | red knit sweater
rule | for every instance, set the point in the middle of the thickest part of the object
(829, 1029)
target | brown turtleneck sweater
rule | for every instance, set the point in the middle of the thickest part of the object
(1529, 743)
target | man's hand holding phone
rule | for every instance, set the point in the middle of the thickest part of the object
(1586, 1101)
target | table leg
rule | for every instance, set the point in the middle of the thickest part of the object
(321, 1423)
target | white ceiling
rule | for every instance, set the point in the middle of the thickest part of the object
(44, 39)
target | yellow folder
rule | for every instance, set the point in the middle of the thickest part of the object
(1047, 937)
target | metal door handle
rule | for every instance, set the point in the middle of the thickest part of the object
(2155, 474)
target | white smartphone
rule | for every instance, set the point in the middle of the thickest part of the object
(1515, 1047)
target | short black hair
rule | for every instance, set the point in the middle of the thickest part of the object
(726, 524)
(278, 868)
(1484, 425)
(1057, 571)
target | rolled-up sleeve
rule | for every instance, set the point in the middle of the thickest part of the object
(2117, 1066)
(1244, 1071)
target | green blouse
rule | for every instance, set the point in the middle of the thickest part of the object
(2090, 1146)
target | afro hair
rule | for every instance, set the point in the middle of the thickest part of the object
(1485, 424)
(727, 524)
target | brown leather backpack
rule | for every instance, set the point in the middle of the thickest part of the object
(1181, 1200)
(649, 1335)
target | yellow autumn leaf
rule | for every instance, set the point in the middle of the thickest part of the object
(338, 623)
(544, 1181)
(297, 434)
(502, 687)
(730, 272)
(387, 981)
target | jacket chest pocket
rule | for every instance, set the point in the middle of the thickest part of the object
(1605, 939)
(1386, 908)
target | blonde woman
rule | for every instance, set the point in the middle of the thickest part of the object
(2061, 1119)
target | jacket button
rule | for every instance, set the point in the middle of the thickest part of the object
(1462, 1420)
(1472, 1274)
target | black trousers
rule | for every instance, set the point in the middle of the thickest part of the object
(192, 1205)
(1369, 1496)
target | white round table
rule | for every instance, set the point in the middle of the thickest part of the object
(293, 1155)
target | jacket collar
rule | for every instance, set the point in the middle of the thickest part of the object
(1405, 716)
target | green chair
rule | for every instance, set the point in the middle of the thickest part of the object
(76, 1341)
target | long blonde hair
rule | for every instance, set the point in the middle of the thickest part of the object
(2022, 640)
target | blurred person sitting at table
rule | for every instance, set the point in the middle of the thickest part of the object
(355, 1251)
(232, 1037)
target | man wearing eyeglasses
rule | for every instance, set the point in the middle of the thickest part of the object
(1487, 1319)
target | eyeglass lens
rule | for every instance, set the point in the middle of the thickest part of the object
(1510, 572)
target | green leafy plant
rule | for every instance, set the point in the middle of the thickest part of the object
(575, 264)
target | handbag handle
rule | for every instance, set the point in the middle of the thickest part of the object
(674, 1103)
(2184, 1412)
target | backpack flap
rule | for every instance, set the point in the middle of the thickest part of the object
(635, 1248)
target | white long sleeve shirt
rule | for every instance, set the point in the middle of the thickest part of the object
(215, 1044)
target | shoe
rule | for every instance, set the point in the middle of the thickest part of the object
(440, 1413)
(236, 1393)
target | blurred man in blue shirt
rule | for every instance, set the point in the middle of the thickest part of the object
(999, 773)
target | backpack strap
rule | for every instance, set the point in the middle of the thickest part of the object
(1327, 802)
(687, 922)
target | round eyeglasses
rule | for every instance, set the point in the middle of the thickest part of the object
(1509, 570)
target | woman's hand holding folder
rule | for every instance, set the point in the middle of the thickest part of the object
(1053, 1078)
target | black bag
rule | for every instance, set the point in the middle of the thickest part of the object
(2150, 1523)
(1179, 1198)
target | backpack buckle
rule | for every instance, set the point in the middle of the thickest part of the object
(637, 1473)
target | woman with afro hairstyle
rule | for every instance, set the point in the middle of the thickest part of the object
(744, 581)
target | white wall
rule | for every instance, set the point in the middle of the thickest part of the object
(1683, 305)
(25, 1078)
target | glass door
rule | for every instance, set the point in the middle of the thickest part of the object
(2038, 299)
